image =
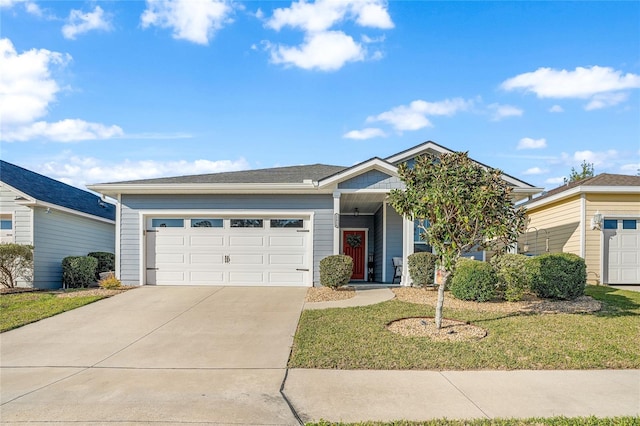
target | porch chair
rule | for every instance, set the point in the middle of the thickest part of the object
(397, 269)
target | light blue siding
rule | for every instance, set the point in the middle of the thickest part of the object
(131, 205)
(378, 226)
(372, 179)
(60, 234)
(21, 215)
(394, 240)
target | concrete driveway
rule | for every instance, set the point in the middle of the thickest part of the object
(155, 354)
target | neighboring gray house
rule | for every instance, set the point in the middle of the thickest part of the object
(268, 227)
(57, 219)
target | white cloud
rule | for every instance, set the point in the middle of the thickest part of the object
(600, 84)
(80, 23)
(67, 130)
(604, 100)
(27, 88)
(367, 133)
(632, 168)
(30, 7)
(192, 20)
(414, 115)
(503, 111)
(529, 143)
(600, 158)
(556, 108)
(325, 51)
(535, 171)
(80, 171)
(324, 14)
(322, 48)
(26, 85)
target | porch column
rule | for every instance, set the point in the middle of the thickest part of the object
(407, 249)
(336, 222)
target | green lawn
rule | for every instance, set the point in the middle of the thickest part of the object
(19, 309)
(356, 338)
(552, 421)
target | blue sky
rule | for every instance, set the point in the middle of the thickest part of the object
(104, 91)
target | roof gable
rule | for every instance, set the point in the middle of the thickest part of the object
(374, 163)
(47, 190)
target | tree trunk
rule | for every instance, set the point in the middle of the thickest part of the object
(443, 275)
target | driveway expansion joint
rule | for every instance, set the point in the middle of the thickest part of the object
(464, 394)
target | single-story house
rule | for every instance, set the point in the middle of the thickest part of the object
(597, 218)
(59, 220)
(267, 227)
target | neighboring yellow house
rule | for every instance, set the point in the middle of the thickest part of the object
(597, 218)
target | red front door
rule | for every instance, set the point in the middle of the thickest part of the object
(353, 245)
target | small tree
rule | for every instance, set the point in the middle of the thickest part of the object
(467, 205)
(586, 171)
(16, 261)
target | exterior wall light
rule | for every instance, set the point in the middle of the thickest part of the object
(596, 221)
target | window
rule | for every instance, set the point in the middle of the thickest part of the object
(246, 223)
(610, 224)
(629, 224)
(420, 245)
(207, 223)
(167, 223)
(6, 224)
(286, 223)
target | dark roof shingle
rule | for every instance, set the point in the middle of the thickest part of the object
(51, 191)
(603, 179)
(291, 174)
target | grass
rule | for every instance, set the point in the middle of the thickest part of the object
(550, 421)
(356, 338)
(20, 309)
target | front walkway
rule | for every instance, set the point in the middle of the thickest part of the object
(364, 296)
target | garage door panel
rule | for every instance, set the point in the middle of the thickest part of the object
(286, 277)
(169, 240)
(249, 259)
(170, 277)
(206, 241)
(296, 260)
(169, 258)
(286, 241)
(206, 259)
(246, 241)
(622, 255)
(206, 277)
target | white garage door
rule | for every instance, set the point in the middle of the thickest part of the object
(228, 251)
(622, 248)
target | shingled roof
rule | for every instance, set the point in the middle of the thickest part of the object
(51, 191)
(603, 179)
(291, 174)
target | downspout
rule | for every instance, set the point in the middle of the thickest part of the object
(384, 241)
(118, 239)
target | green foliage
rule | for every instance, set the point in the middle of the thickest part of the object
(467, 205)
(336, 270)
(586, 171)
(106, 261)
(474, 280)
(16, 262)
(557, 275)
(78, 271)
(110, 283)
(513, 280)
(422, 267)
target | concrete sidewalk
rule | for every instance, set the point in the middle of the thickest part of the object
(363, 297)
(361, 395)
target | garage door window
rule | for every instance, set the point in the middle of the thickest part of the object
(207, 223)
(286, 223)
(167, 223)
(610, 224)
(628, 224)
(246, 223)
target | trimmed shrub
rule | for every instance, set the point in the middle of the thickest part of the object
(422, 267)
(106, 261)
(557, 275)
(474, 280)
(16, 262)
(513, 280)
(110, 282)
(78, 271)
(336, 270)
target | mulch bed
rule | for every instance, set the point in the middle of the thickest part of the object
(327, 294)
(451, 331)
